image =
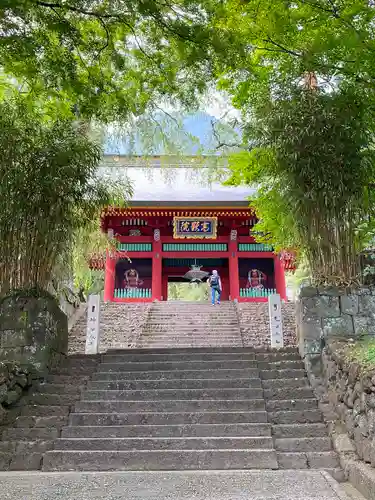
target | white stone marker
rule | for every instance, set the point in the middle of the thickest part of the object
(93, 325)
(276, 324)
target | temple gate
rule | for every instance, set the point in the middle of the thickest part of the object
(159, 245)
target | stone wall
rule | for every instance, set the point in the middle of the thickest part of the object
(15, 380)
(333, 312)
(33, 332)
(351, 392)
(255, 327)
(120, 327)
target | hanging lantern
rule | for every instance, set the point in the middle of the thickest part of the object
(195, 275)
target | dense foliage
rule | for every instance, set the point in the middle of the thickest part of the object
(49, 190)
(313, 159)
(109, 58)
(273, 43)
(188, 292)
(310, 154)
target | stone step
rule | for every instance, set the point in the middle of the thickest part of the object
(54, 421)
(211, 324)
(214, 350)
(187, 318)
(182, 430)
(295, 430)
(190, 340)
(289, 393)
(308, 460)
(176, 375)
(283, 374)
(203, 311)
(171, 443)
(191, 356)
(199, 338)
(67, 379)
(211, 328)
(82, 360)
(177, 365)
(291, 404)
(295, 417)
(276, 356)
(39, 398)
(159, 460)
(183, 325)
(168, 418)
(212, 331)
(180, 394)
(182, 316)
(75, 372)
(193, 343)
(79, 366)
(285, 383)
(26, 461)
(139, 385)
(37, 446)
(45, 411)
(30, 434)
(50, 388)
(298, 444)
(82, 357)
(187, 406)
(281, 365)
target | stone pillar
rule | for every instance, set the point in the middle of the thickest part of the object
(93, 325)
(234, 277)
(109, 278)
(276, 324)
(157, 288)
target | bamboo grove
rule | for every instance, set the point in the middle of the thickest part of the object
(48, 192)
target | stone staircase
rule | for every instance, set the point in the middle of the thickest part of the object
(45, 411)
(194, 409)
(187, 324)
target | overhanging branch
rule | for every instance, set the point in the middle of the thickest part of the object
(78, 10)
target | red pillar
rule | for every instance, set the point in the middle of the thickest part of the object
(109, 278)
(157, 289)
(225, 283)
(165, 287)
(280, 278)
(234, 276)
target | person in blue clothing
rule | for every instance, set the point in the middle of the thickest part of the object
(216, 288)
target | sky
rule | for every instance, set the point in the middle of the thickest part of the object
(178, 182)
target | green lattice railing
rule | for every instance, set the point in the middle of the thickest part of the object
(252, 292)
(133, 293)
(254, 247)
(135, 247)
(195, 247)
